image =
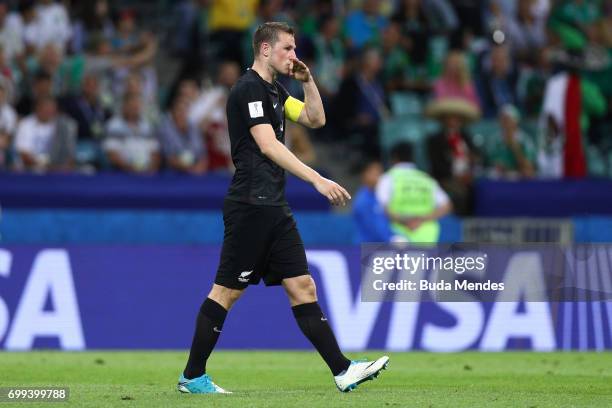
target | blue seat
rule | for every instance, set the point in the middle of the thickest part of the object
(596, 163)
(405, 104)
(413, 130)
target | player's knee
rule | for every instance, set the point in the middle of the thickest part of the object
(226, 297)
(310, 288)
(303, 290)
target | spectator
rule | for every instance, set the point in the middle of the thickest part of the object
(498, 80)
(360, 104)
(11, 33)
(329, 57)
(144, 83)
(50, 25)
(526, 33)
(514, 153)
(532, 82)
(313, 13)
(181, 141)
(369, 216)
(396, 61)
(87, 110)
(456, 81)
(411, 198)
(112, 68)
(188, 89)
(130, 143)
(415, 30)
(42, 87)
(229, 21)
(470, 15)
(575, 13)
(27, 11)
(452, 155)
(126, 36)
(190, 39)
(418, 16)
(91, 21)
(46, 140)
(362, 27)
(570, 101)
(8, 123)
(208, 113)
(49, 59)
(539, 8)
(7, 76)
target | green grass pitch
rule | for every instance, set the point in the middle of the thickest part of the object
(300, 379)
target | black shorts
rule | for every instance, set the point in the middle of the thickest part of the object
(260, 242)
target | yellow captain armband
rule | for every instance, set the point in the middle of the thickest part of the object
(293, 108)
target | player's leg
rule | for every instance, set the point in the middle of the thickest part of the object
(302, 294)
(287, 265)
(209, 324)
(238, 257)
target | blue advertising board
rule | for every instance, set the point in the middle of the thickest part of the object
(147, 296)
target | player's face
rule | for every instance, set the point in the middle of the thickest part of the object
(282, 54)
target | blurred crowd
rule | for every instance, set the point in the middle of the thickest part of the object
(481, 88)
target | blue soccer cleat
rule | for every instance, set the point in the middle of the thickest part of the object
(358, 372)
(199, 385)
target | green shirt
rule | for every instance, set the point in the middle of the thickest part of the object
(413, 194)
(503, 155)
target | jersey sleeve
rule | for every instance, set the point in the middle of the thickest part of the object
(293, 108)
(254, 108)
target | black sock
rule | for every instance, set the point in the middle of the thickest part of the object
(315, 327)
(208, 327)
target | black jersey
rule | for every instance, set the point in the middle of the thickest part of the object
(254, 101)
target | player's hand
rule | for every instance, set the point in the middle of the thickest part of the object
(299, 70)
(335, 193)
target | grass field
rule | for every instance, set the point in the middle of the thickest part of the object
(300, 379)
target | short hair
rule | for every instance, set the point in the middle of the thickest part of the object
(268, 32)
(402, 152)
(365, 164)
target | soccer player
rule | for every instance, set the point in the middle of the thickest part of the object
(261, 240)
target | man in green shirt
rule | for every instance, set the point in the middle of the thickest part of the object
(413, 200)
(514, 153)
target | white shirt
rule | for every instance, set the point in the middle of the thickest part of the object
(209, 105)
(34, 137)
(11, 36)
(8, 119)
(384, 187)
(134, 144)
(50, 26)
(540, 8)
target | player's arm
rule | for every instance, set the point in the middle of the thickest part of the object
(277, 152)
(310, 113)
